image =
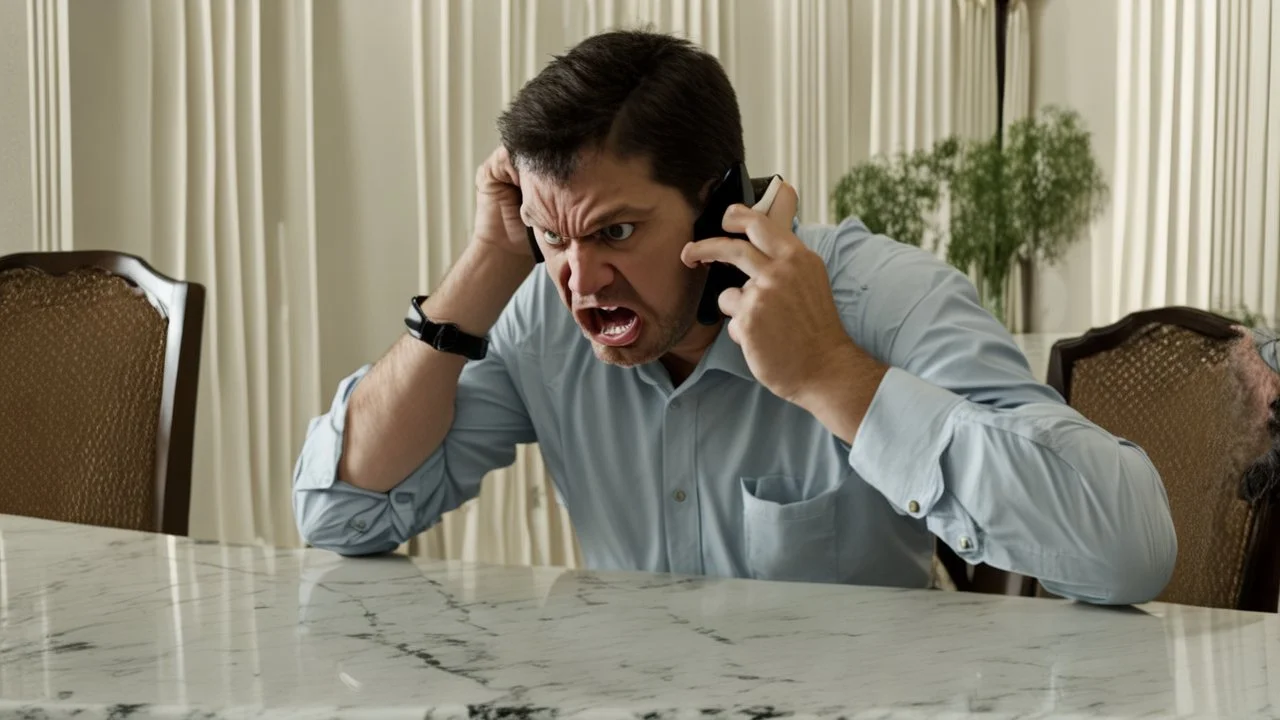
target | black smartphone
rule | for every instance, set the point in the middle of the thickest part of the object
(533, 241)
(735, 186)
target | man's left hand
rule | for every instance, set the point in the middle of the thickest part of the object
(785, 316)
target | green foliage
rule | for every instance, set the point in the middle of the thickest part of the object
(983, 239)
(895, 196)
(1029, 199)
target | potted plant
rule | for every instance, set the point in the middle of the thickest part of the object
(1024, 199)
(897, 195)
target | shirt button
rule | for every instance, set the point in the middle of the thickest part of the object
(966, 543)
(675, 404)
(360, 524)
(679, 495)
(913, 506)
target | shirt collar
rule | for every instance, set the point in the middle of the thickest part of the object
(724, 354)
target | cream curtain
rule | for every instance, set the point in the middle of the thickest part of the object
(1197, 179)
(1017, 106)
(311, 163)
(975, 63)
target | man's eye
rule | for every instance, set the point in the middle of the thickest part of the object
(551, 237)
(621, 231)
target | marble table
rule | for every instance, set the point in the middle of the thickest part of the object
(108, 623)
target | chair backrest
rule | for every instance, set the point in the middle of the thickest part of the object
(1191, 390)
(99, 365)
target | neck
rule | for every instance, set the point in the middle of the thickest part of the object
(687, 353)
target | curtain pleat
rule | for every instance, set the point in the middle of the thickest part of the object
(1017, 106)
(1195, 221)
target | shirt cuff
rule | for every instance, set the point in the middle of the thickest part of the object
(898, 448)
(318, 460)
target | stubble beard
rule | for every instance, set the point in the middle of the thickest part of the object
(659, 335)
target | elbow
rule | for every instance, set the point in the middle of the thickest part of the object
(1145, 569)
(1134, 550)
(1142, 560)
(1133, 575)
(1147, 545)
(343, 530)
(318, 536)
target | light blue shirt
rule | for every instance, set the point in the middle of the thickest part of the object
(719, 476)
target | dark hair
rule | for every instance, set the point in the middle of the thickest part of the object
(632, 92)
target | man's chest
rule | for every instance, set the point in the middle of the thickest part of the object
(634, 447)
(721, 478)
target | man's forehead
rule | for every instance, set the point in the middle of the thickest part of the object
(593, 192)
(568, 213)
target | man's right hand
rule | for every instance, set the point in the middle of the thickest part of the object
(497, 222)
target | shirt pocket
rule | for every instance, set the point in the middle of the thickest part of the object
(787, 536)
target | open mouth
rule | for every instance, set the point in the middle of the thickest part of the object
(614, 326)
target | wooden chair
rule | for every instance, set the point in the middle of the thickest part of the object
(99, 366)
(1191, 390)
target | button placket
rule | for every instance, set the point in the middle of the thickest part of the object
(683, 534)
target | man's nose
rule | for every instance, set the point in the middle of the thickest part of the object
(589, 273)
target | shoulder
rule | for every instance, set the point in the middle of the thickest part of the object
(879, 283)
(852, 252)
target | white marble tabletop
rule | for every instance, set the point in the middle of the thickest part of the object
(108, 623)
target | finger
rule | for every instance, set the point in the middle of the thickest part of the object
(505, 169)
(496, 171)
(763, 232)
(742, 255)
(730, 301)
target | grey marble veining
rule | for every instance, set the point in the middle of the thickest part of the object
(97, 622)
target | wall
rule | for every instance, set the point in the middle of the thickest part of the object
(16, 222)
(1073, 56)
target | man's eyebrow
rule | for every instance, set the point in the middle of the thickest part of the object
(604, 219)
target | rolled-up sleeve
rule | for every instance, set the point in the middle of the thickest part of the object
(490, 420)
(962, 436)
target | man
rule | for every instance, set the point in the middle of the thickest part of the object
(855, 402)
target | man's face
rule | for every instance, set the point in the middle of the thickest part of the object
(612, 239)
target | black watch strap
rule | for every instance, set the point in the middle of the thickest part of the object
(445, 337)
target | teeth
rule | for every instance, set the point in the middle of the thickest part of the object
(614, 330)
(610, 308)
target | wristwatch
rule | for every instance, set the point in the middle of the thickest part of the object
(445, 337)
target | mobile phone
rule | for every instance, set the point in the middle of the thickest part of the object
(533, 241)
(736, 186)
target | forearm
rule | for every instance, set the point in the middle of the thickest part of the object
(1035, 489)
(401, 411)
